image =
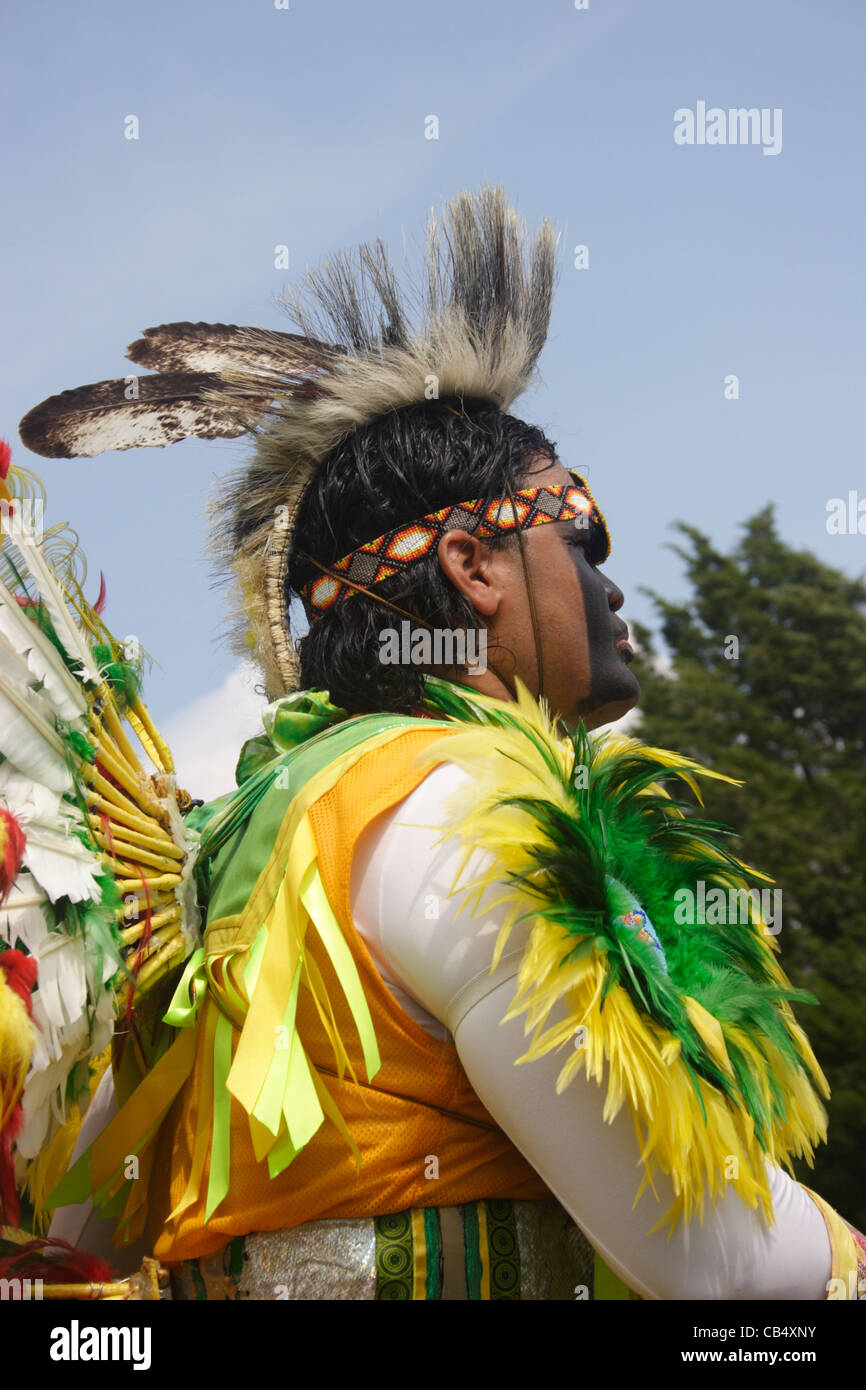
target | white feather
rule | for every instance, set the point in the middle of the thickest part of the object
(62, 865)
(28, 800)
(42, 659)
(59, 1047)
(63, 978)
(52, 596)
(43, 1099)
(21, 916)
(12, 664)
(29, 740)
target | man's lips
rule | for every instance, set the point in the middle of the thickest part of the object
(623, 645)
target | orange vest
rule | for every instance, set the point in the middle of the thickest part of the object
(424, 1137)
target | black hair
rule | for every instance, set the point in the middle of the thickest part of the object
(402, 465)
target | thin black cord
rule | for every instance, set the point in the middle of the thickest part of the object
(539, 660)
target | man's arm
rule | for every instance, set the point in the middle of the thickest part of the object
(403, 905)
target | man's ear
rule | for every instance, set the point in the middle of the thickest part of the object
(467, 562)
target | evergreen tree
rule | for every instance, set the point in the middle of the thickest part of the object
(767, 683)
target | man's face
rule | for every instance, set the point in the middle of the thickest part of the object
(584, 645)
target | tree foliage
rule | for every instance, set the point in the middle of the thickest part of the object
(766, 681)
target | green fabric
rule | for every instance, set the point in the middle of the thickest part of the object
(189, 994)
(238, 862)
(220, 1152)
(395, 1257)
(303, 732)
(199, 816)
(471, 1239)
(433, 1241)
(236, 1258)
(288, 722)
(503, 1250)
(607, 1286)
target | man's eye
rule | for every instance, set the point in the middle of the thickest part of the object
(586, 541)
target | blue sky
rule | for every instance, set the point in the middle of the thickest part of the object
(305, 127)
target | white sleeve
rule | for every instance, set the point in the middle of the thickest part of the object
(403, 906)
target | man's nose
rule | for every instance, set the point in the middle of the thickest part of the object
(615, 596)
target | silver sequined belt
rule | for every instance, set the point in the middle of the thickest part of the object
(498, 1249)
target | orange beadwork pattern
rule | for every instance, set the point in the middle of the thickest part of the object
(379, 559)
(421, 1106)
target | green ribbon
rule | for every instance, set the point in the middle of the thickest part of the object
(182, 1013)
(190, 993)
(220, 1152)
(288, 722)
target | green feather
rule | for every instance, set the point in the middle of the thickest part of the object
(122, 675)
(617, 827)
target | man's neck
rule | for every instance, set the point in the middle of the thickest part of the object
(483, 682)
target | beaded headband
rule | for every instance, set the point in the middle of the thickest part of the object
(396, 550)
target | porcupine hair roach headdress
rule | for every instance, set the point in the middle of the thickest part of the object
(365, 347)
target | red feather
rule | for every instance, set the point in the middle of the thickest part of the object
(10, 1210)
(56, 1262)
(12, 844)
(5, 457)
(21, 972)
(103, 593)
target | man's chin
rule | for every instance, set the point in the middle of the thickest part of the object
(609, 711)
